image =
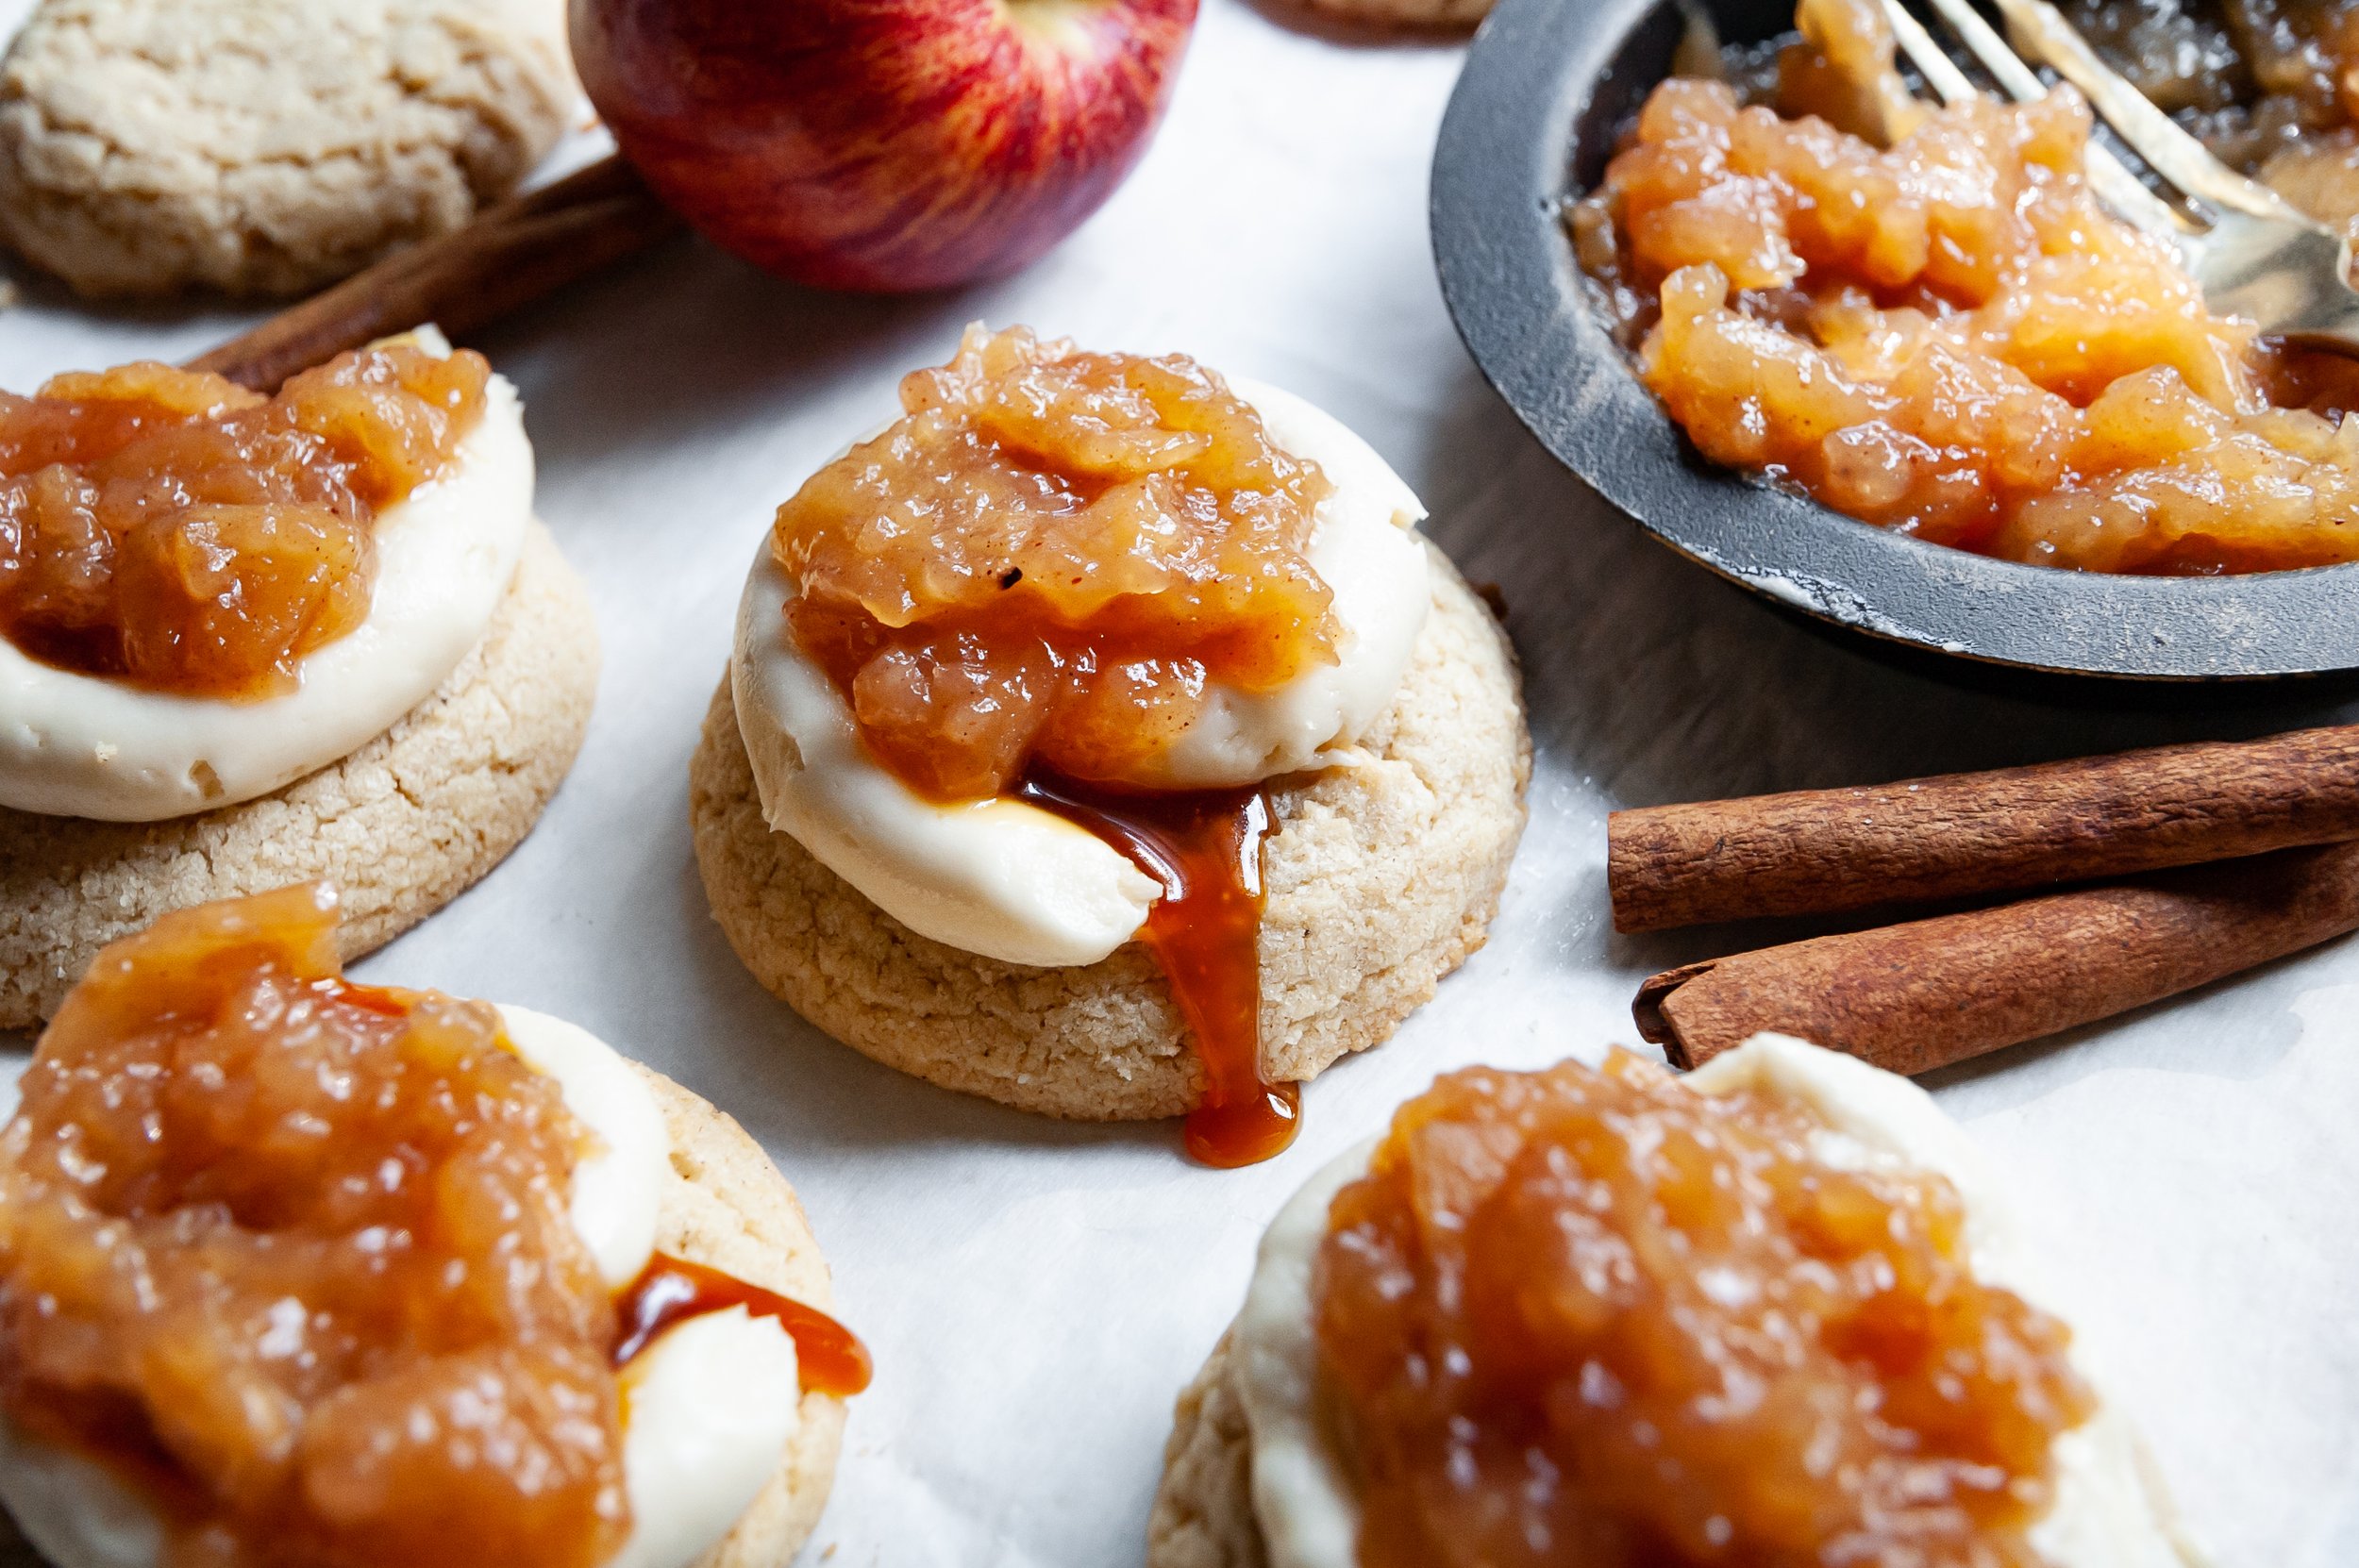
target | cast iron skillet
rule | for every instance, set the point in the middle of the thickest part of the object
(1546, 85)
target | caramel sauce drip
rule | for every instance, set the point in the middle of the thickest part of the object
(828, 1357)
(1205, 849)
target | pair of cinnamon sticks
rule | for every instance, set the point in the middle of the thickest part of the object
(2180, 865)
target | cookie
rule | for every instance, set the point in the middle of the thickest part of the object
(266, 147)
(401, 826)
(1383, 874)
(729, 1208)
(726, 1207)
(1203, 1515)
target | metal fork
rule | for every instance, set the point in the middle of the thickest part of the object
(2251, 252)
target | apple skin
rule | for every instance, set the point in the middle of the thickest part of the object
(884, 146)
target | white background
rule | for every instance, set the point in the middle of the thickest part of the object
(1036, 1292)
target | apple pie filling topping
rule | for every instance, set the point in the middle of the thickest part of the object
(1027, 585)
(1593, 1315)
(292, 1258)
(178, 533)
(1923, 319)
(1047, 558)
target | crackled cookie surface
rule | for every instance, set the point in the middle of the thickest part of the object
(265, 146)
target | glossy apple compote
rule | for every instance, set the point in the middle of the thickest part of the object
(176, 532)
(1026, 586)
(1048, 557)
(1948, 337)
(1590, 1316)
(293, 1256)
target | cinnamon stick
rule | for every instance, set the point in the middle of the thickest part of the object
(1931, 840)
(510, 256)
(1924, 995)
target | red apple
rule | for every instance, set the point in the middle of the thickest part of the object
(882, 144)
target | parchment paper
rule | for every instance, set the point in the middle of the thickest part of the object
(1035, 1293)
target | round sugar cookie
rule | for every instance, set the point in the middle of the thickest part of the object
(402, 826)
(266, 147)
(729, 1208)
(1203, 1515)
(1383, 874)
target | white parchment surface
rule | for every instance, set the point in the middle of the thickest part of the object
(1036, 1293)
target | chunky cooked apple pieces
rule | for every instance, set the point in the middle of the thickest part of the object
(1594, 1315)
(1950, 339)
(293, 1258)
(176, 532)
(1049, 555)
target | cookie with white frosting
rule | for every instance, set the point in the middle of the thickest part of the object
(726, 1438)
(1001, 948)
(1382, 878)
(405, 758)
(1262, 1467)
(722, 1203)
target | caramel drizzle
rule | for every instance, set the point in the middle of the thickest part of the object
(1204, 847)
(828, 1357)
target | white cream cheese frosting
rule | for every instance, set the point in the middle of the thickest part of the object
(1008, 880)
(618, 1186)
(78, 745)
(2109, 1511)
(707, 1411)
(708, 1407)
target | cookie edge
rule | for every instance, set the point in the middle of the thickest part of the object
(716, 1159)
(546, 606)
(1203, 1514)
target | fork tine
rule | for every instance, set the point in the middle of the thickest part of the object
(1935, 66)
(2115, 186)
(2178, 157)
(1982, 38)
